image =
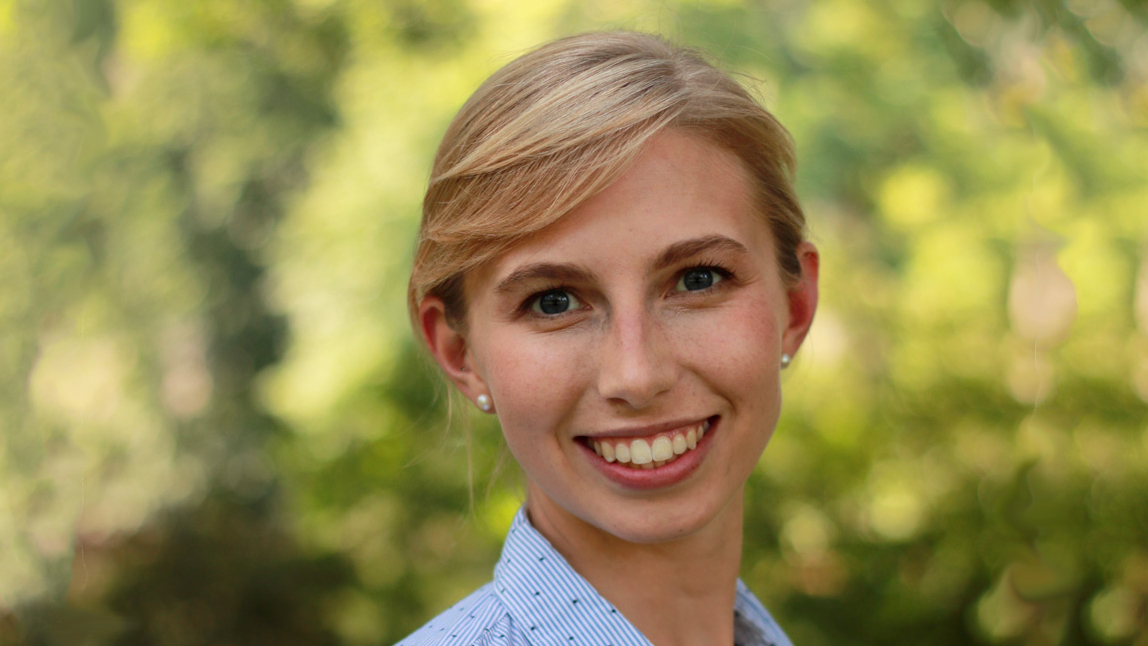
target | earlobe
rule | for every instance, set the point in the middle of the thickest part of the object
(802, 299)
(449, 348)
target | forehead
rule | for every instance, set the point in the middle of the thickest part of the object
(682, 186)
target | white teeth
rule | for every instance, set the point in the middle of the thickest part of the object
(622, 452)
(640, 452)
(646, 454)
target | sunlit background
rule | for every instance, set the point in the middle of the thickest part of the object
(215, 427)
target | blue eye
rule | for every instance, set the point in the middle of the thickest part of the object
(554, 302)
(697, 279)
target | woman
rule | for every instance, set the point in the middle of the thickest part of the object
(612, 260)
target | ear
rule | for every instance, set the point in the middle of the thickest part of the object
(449, 348)
(802, 299)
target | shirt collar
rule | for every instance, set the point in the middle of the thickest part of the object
(555, 606)
(753, 625)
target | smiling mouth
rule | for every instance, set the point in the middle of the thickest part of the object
(652, 451)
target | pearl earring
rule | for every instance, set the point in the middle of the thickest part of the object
(785, 360)
(483, 402)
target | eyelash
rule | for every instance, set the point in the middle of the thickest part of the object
(526, 307)
(727, 275)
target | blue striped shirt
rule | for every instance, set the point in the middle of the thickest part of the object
(537, 599)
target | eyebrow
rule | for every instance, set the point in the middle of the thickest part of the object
(680, 251)
(572, 273)
(544, 271)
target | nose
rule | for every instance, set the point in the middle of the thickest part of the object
(636, 362)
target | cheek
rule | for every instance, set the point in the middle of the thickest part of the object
(739, 338)
(737, 354)
(535, 383)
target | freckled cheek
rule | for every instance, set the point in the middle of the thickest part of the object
(534, 385)
(738, 349)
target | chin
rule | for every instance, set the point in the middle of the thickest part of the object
(666, 521)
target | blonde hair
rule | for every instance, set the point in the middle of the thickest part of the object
(560, 124)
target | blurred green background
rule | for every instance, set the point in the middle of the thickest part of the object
(216, 429)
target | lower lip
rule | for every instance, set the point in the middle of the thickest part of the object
(658, 477)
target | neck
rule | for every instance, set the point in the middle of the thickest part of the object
(676, 592)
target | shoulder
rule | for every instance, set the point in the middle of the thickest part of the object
(478, 620)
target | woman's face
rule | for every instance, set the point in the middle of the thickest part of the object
(646, 325)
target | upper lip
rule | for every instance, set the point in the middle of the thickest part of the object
(649, 429)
